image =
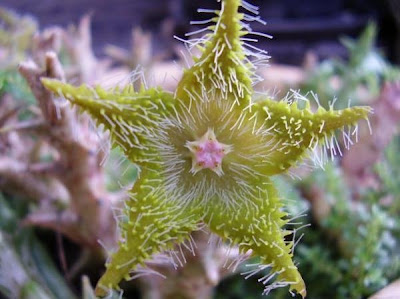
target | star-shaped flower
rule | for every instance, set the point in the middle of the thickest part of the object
(207, 151)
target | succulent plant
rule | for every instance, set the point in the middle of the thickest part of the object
(206, 153)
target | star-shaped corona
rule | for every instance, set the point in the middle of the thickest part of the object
(206, 153)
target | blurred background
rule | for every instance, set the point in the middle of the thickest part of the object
(50, 176)
(297, 26)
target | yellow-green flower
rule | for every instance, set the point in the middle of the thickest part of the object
(207, 151)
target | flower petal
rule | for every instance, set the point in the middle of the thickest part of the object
(294, 131)
(222, 66)
(151, 224)
(259, 227)
(126, 114)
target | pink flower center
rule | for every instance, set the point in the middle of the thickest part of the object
(207, 153)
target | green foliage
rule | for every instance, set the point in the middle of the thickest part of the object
(358, 79)
(11, 82)
(33, 273)
(388, 171)
(354, 250)
(16, 34)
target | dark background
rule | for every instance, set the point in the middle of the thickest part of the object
(297, 26)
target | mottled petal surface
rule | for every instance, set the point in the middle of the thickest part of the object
(151, 224)
(294, 131)
(127, 114)
(222, 67)
(259, 226)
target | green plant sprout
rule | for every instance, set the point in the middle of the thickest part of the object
(206, 153)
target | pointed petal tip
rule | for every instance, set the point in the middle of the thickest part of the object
(46, 80)
(300, 288)
(50, 83)
(303, 293)
(100, 291)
